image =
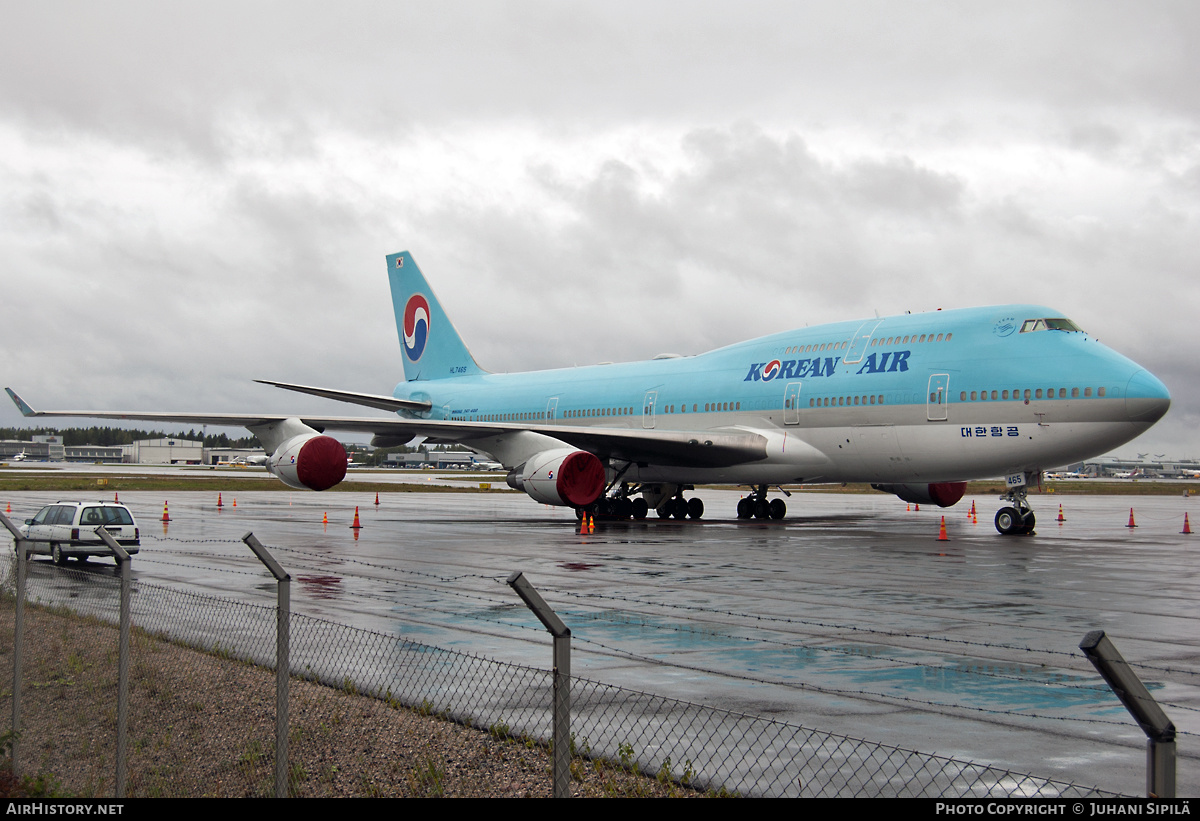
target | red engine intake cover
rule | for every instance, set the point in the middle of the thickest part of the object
(321, 463)
(580, 479)
(947, 494)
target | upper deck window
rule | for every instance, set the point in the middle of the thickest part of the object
(1051, 324)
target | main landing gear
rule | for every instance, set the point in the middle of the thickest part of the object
(1016, 519)
(666, 500)
(758, 506)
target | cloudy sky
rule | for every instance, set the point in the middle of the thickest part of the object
(196, 195)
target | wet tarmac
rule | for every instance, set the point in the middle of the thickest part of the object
(849, 616)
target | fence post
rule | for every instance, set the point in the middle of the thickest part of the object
(1160, 732)
(123, 564)
(282, 659)
(562, 680)
(23, 549)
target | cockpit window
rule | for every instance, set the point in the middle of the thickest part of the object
(1052, 324)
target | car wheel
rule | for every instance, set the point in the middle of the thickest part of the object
(57, 554)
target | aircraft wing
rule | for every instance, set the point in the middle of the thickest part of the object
(660, 447)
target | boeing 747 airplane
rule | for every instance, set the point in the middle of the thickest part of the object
(915, 405)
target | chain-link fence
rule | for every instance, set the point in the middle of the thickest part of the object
(371, 714)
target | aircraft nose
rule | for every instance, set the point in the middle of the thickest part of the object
(1146, 398)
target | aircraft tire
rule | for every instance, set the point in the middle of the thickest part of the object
(664, 512)
(745, 508)
(695, 507)
(640, 508)
(679, 508)
(1008, 521)
(1029, 523)
(778, 508)
(762, 509)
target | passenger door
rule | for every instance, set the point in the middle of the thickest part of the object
(791, 404)
(938, 406)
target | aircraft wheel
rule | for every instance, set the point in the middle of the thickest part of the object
(745, 508)
(1008, 521)
(579, 513)
(1029, 523)
(679, 508)
(664, 512)
(778, 508)
(622, 508)
(57, 554)
(640, 508)
(695, 508)
(761, 509)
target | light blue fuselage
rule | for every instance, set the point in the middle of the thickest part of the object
(942, 396)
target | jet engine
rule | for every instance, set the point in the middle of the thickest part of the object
(574, 478)
(309, 460)
(942, 494)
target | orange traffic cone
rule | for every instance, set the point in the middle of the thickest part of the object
(235, 501)
(972, 513)
(377, 498)
(166, 516)
(916, 508)
(8, 508)
(116, 496)
(1131, 524)
(1060, 515)
(942, 537)
(1187, 528)
(356, 525)
(908, 508)
(219, 502)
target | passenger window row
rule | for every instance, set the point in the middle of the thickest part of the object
(1036, 393)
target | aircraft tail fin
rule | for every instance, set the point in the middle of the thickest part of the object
(429, 344)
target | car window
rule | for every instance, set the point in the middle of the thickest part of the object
(40, 518)
(62, 515)
(106, 516)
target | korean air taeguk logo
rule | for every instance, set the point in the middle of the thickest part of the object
(416, 326)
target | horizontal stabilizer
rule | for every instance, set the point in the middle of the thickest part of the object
(371, 400)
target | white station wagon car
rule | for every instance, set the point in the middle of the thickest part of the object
(68, 530)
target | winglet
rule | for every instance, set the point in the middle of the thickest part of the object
(20, 403)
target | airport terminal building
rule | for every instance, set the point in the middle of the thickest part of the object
(144, 452)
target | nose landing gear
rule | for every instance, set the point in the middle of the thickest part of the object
(1017, 519)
